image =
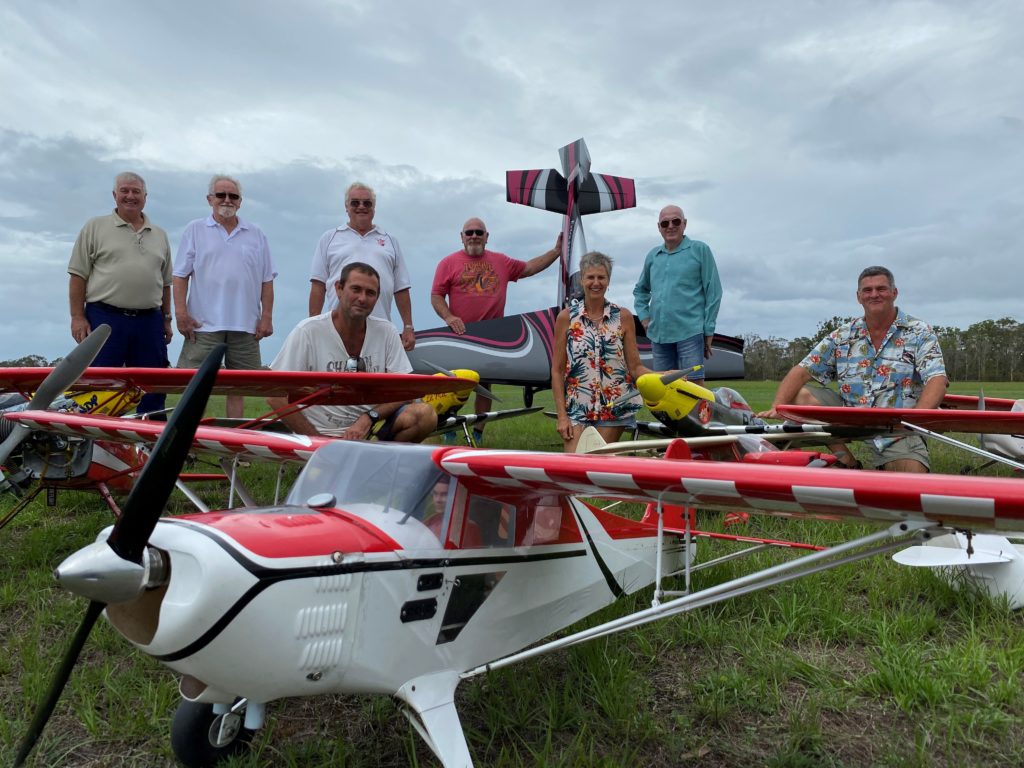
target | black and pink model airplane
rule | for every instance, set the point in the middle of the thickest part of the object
(517, 349)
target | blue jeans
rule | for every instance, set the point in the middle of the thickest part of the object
(680, 355)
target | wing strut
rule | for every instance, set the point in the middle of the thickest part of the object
(964, 446)
(780, 574)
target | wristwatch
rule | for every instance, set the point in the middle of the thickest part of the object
(374, 416)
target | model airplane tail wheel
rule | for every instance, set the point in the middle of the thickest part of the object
(201, 739)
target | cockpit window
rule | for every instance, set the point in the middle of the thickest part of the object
(391, 477)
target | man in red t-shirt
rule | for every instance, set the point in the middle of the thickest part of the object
(475, 282)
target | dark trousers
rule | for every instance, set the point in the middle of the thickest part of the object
(135, 342)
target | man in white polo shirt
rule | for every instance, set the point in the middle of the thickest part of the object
(231, 296)
(363, 241)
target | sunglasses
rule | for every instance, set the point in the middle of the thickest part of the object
(357, 203)
(355, 365)
(228, 195)
(670, 223)
(474, 232)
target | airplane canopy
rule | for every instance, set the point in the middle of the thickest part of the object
(388, 476)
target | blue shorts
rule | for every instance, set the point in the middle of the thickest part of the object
(680, 356)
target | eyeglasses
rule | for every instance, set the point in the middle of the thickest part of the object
(357, 203)
(355, 365)
(666, 223)
(474, 232)
(228, 195)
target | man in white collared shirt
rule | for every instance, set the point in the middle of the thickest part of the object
(361, 240)
(231, 296)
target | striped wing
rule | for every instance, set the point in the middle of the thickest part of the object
(977, 503)
(221, 441)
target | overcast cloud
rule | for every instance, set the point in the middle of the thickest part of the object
(804, 140)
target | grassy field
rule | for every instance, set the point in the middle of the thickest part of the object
(871, 664)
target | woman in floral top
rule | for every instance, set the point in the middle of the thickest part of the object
(593, 373)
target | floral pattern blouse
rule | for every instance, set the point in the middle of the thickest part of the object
(596, 375)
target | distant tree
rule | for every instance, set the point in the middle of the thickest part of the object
(28, 361)
(825, 327)
(764, 358)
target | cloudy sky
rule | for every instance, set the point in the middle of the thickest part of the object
(804, 140)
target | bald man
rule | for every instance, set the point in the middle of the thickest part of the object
(471, 285)
(677, 298)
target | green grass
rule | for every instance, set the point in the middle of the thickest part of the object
(871, 664)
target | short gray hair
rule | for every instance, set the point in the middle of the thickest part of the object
(222, 177)
(875, 272)
(360, 185)
(596, 259)
(129, 176)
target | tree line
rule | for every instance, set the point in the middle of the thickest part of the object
(991, 350)
(28, 361)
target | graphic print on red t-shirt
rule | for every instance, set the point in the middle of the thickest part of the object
(478, 278)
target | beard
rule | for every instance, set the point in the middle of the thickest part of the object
(227, 211)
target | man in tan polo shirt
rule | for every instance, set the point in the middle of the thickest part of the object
(120, 272)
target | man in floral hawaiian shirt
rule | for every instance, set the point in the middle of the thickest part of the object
(886, 359)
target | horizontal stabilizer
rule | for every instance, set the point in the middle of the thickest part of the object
(603, 192)
(546, 190)
(935, 557)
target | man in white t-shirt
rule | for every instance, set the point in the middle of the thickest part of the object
(362, 240)
(348, 338)
(231, 296)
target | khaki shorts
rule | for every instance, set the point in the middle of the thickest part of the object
(243, 350)
(909, 447)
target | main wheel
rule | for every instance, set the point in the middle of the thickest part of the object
(202, 739)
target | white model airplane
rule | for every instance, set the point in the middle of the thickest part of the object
(362, 582)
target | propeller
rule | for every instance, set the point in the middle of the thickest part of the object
(116, 570)
(63, 375)
(479, 388)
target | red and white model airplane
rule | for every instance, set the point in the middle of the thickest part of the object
(369, 579)
(55, 462)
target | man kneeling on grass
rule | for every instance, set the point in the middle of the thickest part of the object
(886, 359)
(349, 339)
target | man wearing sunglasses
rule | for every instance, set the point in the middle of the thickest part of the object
(677, 298)
(231, 296)
(120, 275)
(886, 359)
(363, 241)
(350, 339)
(475, 282)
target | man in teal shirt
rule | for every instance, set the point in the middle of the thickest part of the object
(677, 298)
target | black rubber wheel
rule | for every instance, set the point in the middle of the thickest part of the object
(194, 732)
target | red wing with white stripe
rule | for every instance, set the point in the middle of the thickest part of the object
(935, 419)
(222, 441)
(977, 503)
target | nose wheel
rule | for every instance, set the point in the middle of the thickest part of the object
(202, 738)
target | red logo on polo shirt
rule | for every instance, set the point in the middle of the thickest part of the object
(380, 241)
